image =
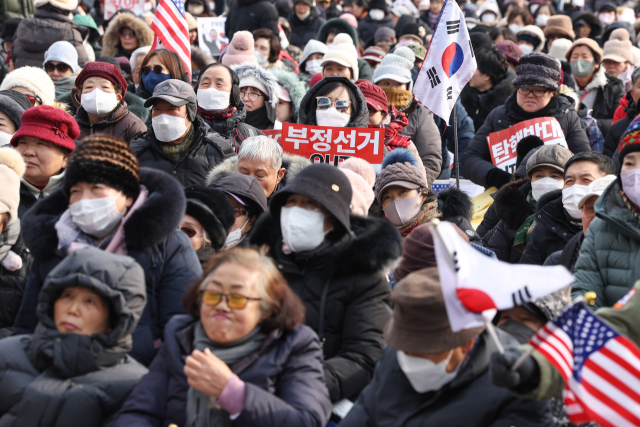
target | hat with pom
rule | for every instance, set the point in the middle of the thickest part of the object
(399, 168)
(618, 48)
(396, 66)
(350, 19)
(361, 167)
(362, 197)
(51, 124)
(343, 52)
(240, 49)
(12, 168)
(34, 79)
(631, 140)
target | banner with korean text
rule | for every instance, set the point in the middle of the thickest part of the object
(503, 144)
(322, 144)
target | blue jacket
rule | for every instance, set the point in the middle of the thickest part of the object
(152, 237)
(284, 382)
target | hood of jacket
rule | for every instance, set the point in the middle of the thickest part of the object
(111, 38)
(375, 245)
(31, 29)
(611, 208)
(148, 226)
(342, 26)
(114, 117)
(308, 105)
(291, 162)
(116, 278)
(265, 77)
(296, 87)
(593, 21)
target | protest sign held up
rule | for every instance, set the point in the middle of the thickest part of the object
(112, 6)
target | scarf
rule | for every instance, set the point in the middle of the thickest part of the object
(399, 98)
(523, 235)
(543, 112)
(64, 85)
(9, 237)
(392, 137)
(259, 118)
(217, 114)
(427, 213)
(176, 151)
(202, 410)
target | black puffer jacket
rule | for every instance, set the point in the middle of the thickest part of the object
(470, 399)
(617, 130)
(367, 28)
(34, 36)
(53, 379)
(303, 31)
(552, 229)
(308, 105)
(12, 285)
(476, 161)
(345, 294)
(207, 150)
(250, 15)
(480, 104)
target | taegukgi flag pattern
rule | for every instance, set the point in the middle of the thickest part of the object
(449, 64)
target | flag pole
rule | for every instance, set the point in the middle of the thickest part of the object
(455, 137)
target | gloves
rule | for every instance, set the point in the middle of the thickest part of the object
(497, 178)
(526, 377)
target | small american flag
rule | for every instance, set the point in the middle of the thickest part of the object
(600, 367)
(172, 31)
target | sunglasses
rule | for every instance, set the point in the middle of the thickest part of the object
(234, 301)
(156, 69)
(60, 66)
(127, 34)
(190, 232)
(324, 103)
(33, 99)
(239, 212)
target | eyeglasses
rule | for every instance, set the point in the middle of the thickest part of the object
(33, 99)
(252, 96)
(324, 103)
(190, 232)
(156, 69)
(239, 212)
(60, 66)
(234, 301)
(127, 33)
(538, 93)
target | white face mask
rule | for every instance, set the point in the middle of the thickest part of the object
(570, 198)
(526, 48)
(471, 26)
(5, 138)
(213, 99)
(541, 20)
(425, 375)
(376, 14)
(545, 185)
(234, 237)
(313, 67)
(302, 229)
(515, 28)
(488, 18)
(96, 217)
(332, 117)
(148, 7)
(99, 102)
(261, 58)
(304, 16)
(168, 128)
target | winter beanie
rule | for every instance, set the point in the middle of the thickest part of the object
(350, 19)
(373, 54)
(559, 49)
(374, 95)
(362, 196)
(538, 70)
(361, 167)
(313, 46)
(12, 168)
(60, 4)
(631, 141)
(396, 66)
(384, 34)
(63, 52)
(240, 49)
(34, 79)
(104, 70)
(618, 48)
(343, 52)
(106, 160)
(51, 124)
(12, 106)
(399, 168)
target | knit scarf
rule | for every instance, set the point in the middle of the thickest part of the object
(428, 211)
(9, 237)
(399, 98)
(176, 151)
(217, 114)
(523, 235)
(64, 85)
(392, 137)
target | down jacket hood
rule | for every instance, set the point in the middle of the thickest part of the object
(116, 278)
(291, 162)
(308, 104)
(611, 208)
(265, 77)
(297, 88)
(111, 38)
(343, 27)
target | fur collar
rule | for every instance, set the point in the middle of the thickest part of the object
(375, 247)
(599, 80)
(148, 226)
(291, 162)
(111, 38)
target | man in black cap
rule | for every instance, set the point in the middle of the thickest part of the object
(179, 142)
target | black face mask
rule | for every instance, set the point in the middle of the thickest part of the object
(517, 330)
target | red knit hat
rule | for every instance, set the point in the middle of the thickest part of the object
(48, 123)
(375, 96)
(315, 79)
(104, 70)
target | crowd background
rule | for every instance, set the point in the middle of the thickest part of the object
(163, 261)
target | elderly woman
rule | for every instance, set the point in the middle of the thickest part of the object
(107, 201)
(537, 83)
(74, 369)
(241, 357)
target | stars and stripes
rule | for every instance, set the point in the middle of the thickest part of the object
(601, 368)
(172, 31)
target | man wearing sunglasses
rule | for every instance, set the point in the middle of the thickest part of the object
(61, 64)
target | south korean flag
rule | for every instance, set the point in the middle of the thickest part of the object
(448, 65)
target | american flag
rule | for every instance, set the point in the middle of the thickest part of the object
(600, 367)
(172, 31)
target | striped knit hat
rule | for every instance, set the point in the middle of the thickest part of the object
(106, 160)
(631, 140)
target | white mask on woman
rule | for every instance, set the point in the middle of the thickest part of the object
(99, 102)
(261, 58)
(515, 28)
(213, 99)
(5, 138)
(541, 20)
(376, 14)
(96, 217)
(234, 237)
(332, 117)
(168, 128)
(570, 198)
(314, 67)
(302, 229)
(424, 374)
(526, 48)
(488, 18)
(545, 185)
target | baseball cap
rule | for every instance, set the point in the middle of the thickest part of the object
(596, 188)
(175, 92)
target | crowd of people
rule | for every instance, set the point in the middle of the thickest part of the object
(163, 261)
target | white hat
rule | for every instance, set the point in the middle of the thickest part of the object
(63, 52)
(596, 188)
(313, 46)
(396, 66)
(343, 52)
(559, 49)
(34, 79)
(252, 81)
(139, 52)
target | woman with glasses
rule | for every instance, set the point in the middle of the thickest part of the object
(159, 66)
(242, 356)
(537, 83)
(125, 34)
(334, 101)
(34, 83)
(259, 92)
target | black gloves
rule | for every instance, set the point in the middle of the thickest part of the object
(525, 378)
(497, 178)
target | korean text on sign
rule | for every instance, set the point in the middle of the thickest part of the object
(323, 144)
(503, 144)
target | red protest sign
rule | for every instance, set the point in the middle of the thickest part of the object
(274, 134)
(503, 144)
(322, 144)
(112, 6)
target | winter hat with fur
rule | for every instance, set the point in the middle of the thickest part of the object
(538, 70)
(12, 168)
(34, 79)
(618, 48)
(397, 67)
(361, 167)
(362, 196)
(60, 4)
(343, 52)
(240, 49)
(399, 168)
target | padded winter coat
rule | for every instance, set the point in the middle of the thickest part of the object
(609, 261)
(250, 15)
(120, 123)
(303, 31)
(367, 28)
(152, 238)
(52, 379)
(12, 284)
(477, 159)
(480, 104)
(284, 382)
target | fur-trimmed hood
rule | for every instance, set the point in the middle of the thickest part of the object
(151, 224)
(265, 77)
(111, 38)
(308, 104)
(291, 162)
(296, 87)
